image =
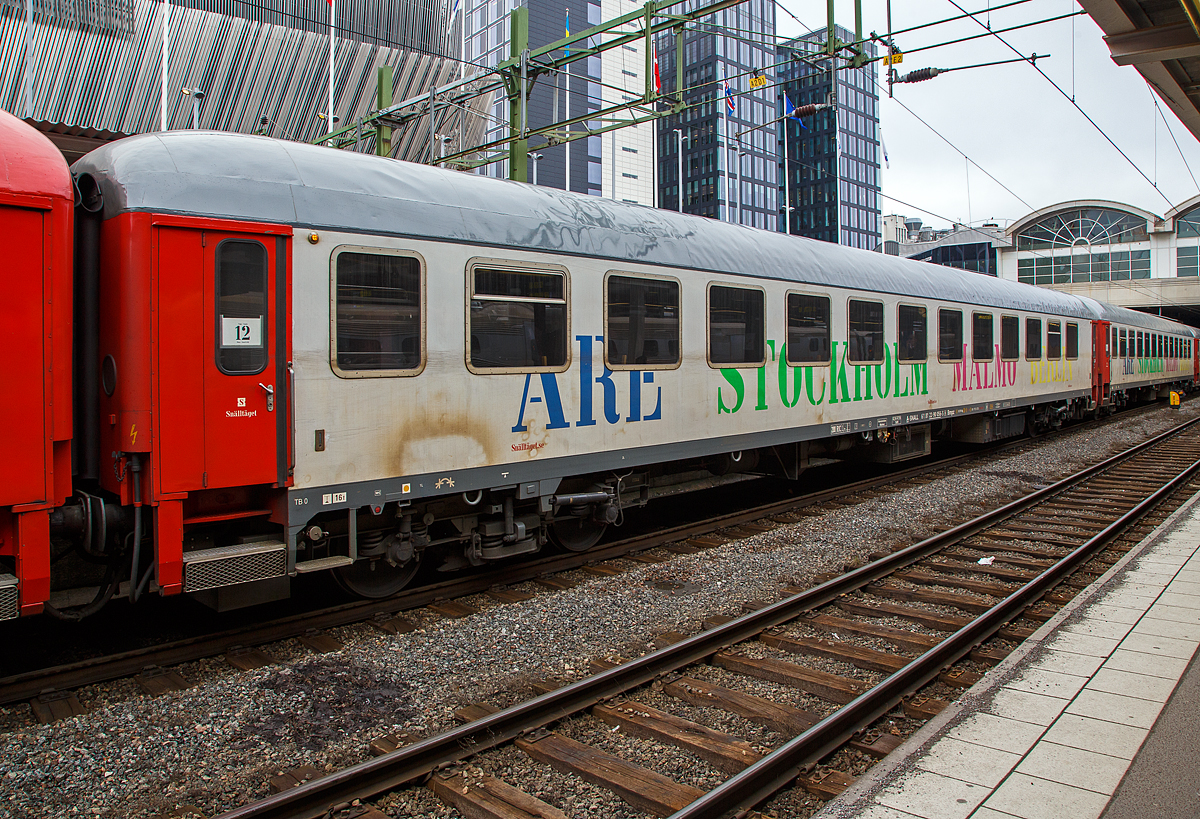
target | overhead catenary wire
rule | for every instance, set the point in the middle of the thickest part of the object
(1167, 123)
(1067, 96)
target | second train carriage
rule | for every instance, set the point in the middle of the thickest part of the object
(311, 360)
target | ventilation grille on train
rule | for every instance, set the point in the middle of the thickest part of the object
(230, 565)
(8, 597)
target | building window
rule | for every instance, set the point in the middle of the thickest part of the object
(735, 325)
(808, 329)
(642, 326)
(518, 319)
(377, 313)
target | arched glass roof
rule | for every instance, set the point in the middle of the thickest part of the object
(1084, 226)
(1188, 224)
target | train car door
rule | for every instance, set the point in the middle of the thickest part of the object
(223, 353)
(1101, 363)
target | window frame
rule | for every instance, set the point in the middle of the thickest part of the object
(265, 330)
(1016, 319)
(731, 365)
(787, 327)
(991, 317)
(1057, 324)
(1040, 339)
(625, 274)
(961, 336)
(424, 296)
(515, 266)
(1067, 341)
(882, 333)
(923, 358)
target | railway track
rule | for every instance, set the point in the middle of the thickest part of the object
(48, 689)
(961, 595)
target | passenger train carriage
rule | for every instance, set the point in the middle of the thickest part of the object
(295, 359)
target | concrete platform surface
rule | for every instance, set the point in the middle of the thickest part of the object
(1095, 715)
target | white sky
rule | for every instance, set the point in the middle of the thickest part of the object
(1012, 121)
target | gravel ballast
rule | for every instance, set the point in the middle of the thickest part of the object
(215, 745)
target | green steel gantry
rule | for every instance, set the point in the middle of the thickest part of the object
(516, 76)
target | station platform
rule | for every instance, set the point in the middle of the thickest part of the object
(1098, 714)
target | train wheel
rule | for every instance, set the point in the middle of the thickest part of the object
(376, 579)
(577, 534)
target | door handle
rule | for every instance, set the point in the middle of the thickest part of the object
(270, 391)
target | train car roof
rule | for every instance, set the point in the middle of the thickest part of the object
(1136, 318)
(263, 179)
(29, 163)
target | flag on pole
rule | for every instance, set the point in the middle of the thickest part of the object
(657, 76)
(730, 102)
(789, 110)
(567, 30)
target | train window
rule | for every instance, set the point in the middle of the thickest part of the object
(1033, 339)
(736, 325)
(808, 329)
(518, 319)
(866, 331)
(1124, 343)
(1010, 338)
(1112, 347)
(982, 334)
(642, 327)
(1141, 349)
(1053, 340)
(911, 333)
(1072, 340)
(241, 307)
(377, 314)
(950, 335)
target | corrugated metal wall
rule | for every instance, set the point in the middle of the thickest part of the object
(97, 64)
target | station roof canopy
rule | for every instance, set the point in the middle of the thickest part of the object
(1161, 39)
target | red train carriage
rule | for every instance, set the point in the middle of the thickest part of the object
(36, 201)
(193, 348)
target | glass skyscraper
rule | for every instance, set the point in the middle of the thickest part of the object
(729, 142)
(832, 177)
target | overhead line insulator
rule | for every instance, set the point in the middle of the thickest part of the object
(920, 75)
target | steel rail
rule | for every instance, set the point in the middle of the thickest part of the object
(29, 684)
(758, 782)
(384, 773)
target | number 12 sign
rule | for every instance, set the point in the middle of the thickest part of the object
(241, 332)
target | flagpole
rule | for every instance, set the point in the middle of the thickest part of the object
(566, 104)
(166, 61)
(721, 154)
(787, 196)
(332, 46)
(25, 80)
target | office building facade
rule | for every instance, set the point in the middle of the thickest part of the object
(831, 182)
(728, 142)
(617, 164)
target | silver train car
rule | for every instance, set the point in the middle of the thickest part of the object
(340, 362)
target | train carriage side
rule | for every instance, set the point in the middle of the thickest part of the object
(449, 365)
(191, 350)
(36, 201)
(1148, 355)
